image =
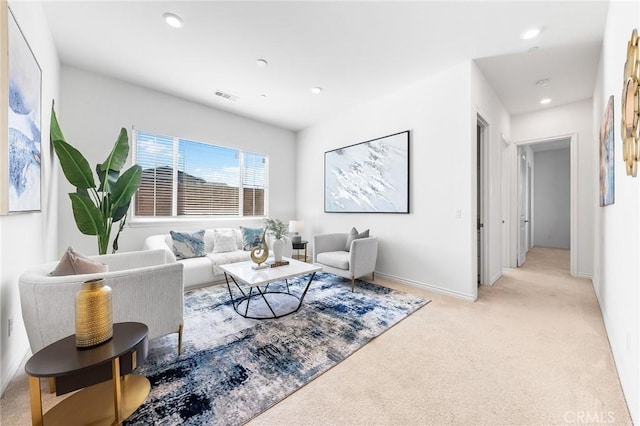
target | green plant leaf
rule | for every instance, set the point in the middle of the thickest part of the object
(55, 132)
(127, 185)
(88, 217)
(115, 240)
(74, 166)
(120, 212)
(119, 153)
(83, 192)
(112, 175)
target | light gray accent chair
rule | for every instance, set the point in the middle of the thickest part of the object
(145, 288)
(329, 253)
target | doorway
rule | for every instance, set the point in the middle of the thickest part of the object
(523, 226)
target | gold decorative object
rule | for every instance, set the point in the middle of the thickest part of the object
(631, 107)
(260, 254)
(94, 316)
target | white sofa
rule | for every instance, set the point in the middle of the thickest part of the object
(202, 271)
(145, 288)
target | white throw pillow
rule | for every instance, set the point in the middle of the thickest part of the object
(224, 241)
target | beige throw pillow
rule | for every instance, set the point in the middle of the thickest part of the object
(74, 263)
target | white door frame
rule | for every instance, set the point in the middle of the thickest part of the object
(573, 144)
(504, 196)
(485, 279)
(523, 203)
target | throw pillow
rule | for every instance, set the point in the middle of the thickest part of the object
(187, 244)
(224, 241)
(354, 235)
(251, 237)
(74, 263)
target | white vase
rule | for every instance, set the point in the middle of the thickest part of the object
(278, 246)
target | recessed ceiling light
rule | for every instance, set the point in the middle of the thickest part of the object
(173, 20)
(263, 96)
(262, 63)
(545, 101)
(317, 90)
(529, 34)
(543, 82)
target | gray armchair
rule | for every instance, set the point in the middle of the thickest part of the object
(329, 252)
(145, 288)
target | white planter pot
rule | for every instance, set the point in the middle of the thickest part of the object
(278, 247)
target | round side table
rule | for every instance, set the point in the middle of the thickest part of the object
(109, 402)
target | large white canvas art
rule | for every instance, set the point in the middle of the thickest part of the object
(24, 123)
(369, 177)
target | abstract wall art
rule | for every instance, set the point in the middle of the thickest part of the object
(368, 177)
(607, 156)
(24, 94)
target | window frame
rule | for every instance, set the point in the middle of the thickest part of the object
(136, 220)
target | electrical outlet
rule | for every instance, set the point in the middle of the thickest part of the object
(10, 326)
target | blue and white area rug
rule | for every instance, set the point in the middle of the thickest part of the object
(232, 369)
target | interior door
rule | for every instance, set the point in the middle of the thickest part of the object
(522, 208)
(527, 219)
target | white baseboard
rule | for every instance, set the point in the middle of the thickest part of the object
(12, 370)
(425, 286)
(495, 278)
(589, 276)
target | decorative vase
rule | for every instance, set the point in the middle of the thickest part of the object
(277, 246)
(94, 316)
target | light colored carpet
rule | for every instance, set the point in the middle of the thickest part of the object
(532, 350)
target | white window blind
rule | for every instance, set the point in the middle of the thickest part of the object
(156, 194)
(253, 184)
(189, 178)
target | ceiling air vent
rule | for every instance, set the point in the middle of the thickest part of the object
(225, 95)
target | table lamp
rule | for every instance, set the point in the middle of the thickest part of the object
(296, 227)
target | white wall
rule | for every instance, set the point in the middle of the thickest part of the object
(561, 121)
(428, 247)
(616, 273)
(29, 238)
(552, 198)
(94, 108)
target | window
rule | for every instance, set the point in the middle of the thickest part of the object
(183, 178)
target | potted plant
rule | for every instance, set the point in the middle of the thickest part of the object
(96, 208)
(279, 230)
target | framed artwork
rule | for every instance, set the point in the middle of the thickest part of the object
(368, 177)
(607, 156)
(21, 138)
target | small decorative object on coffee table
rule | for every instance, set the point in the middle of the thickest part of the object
(266, 293)
(275, 264)
(260, 254)
(278, 229)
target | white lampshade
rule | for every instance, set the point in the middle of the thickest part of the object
(296, 225)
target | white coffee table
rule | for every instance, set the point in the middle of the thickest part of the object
(266, 284)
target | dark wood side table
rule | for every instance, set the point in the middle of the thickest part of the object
(302, 245)
(109, 402)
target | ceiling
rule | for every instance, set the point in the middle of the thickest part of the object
(355, 51)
